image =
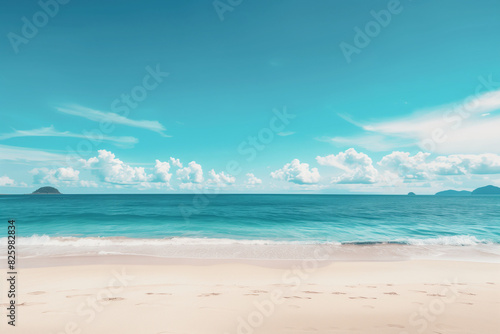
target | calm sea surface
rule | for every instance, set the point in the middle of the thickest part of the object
(272, 218)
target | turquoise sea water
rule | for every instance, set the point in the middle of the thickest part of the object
(276, 218)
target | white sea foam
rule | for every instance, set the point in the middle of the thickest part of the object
(45, 240)
(184, 247)
(455, 240)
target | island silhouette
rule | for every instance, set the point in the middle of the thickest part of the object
(487, 190)
(46, 191)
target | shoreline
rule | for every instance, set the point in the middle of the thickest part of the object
(148, 260)
(65, 254)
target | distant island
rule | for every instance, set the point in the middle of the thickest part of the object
(488, 190)
(46, 190)
(411, 193)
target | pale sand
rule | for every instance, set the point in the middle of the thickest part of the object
(214, 297)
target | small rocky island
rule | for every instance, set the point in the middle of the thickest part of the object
(46, 191)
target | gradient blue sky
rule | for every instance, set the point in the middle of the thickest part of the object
(418, 73)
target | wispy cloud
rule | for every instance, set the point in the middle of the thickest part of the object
(372, 142)
(51, 132)
(453, 128)
(16, 153)
(98, 116)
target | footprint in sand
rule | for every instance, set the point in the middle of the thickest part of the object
(36, 293)
(296, 297)
(436, 295)
(24, 304)
(467, 293)
(362, 297)
(32, 303)
(159, 293)
(311, 292)
(421, 291)
(113, 299)
(338, 293)
(209, 294)
(393, 325)
(391, 293)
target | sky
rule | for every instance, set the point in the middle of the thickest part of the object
(341, 97)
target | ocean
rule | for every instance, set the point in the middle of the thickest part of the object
(273, 226)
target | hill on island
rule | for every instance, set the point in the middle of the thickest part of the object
(46, 190)
(488, 190)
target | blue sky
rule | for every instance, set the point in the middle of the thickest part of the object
(200, 77)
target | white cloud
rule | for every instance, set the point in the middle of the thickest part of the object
(252, 180)
(100, 116)
(221, 179)
(51, 132)
(190, 186)
(161, 171)
(356, 167)
(54, 176)
(418, 168)
(455, 128)
(487, 163)
(6, 181)
(67, 174)
(406, 166)
(88, 184)
(112, 170)
(297, 172)
(191, 174)
(175, 162)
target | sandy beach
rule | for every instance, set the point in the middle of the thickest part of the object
(126, 294)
